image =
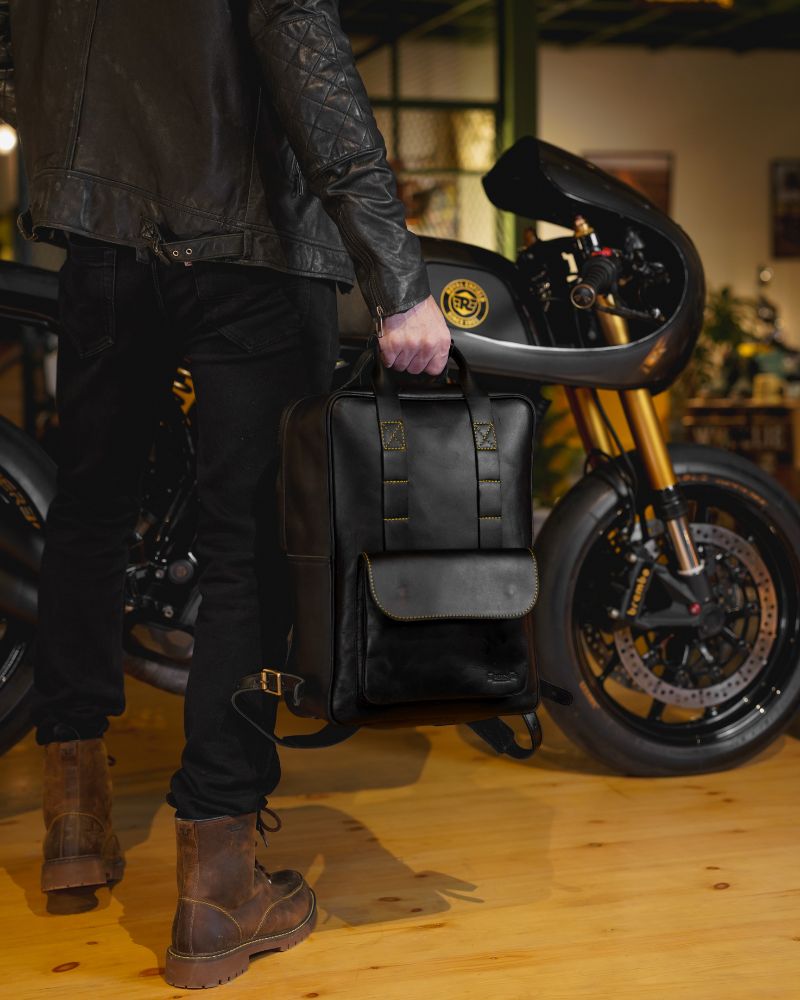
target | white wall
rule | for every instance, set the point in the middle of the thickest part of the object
(433, 70)
(722, 116)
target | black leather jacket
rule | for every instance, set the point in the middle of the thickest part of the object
(236, 130)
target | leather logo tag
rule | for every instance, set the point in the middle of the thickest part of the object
(485, 438)
(393, 435)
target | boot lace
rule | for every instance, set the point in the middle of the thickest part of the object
(262, 827)
(263, 830)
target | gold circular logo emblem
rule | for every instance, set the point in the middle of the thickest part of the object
(464, 303)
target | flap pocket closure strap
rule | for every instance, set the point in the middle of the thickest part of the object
(449, 584)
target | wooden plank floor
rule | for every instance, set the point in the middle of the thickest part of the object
(442, 872)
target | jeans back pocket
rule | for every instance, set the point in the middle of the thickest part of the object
(257, 308)
(86, 297)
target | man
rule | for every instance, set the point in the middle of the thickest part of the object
(212, 166)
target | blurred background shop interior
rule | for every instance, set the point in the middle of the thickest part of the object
(695, 104)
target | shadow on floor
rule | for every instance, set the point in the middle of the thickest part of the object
(357, 881)
(556, 753)
(133, 815)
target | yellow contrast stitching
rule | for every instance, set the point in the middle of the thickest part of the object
(489, 481)
(394, 482)
(272, 906)
(268, 937)
(64, 815)
(205, 902)
(395, 518)
(490, 517)
(454, 614)
(484, 433)
(390, 439)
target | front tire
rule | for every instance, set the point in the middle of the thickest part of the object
(729, 498)
(27, 486)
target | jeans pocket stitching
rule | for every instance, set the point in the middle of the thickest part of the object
(109, 292)
(106, 327)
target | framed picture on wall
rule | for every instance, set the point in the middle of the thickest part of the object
(785, 187)
(648, 173)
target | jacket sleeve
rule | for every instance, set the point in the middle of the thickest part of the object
(308, 68)
(8, 102)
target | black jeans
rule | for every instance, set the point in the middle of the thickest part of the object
(254, 339)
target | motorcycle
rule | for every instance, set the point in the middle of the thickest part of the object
(670, 574)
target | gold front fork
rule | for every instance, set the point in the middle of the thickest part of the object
(589, 421)
(649, 438)
(647, 435)
(639, 408)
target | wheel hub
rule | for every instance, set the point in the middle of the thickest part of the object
(711, 621)
(740, 574)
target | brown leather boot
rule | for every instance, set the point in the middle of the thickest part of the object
(229, 908)
(79, 847)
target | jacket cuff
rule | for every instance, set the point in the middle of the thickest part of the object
(415, 290)
(362, 199)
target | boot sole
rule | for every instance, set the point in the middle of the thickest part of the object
(75, 873)
(198, 973)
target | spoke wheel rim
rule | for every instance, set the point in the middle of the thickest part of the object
(712, 539)
(16, 636)
(751, 695)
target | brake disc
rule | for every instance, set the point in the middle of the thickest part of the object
(739, 552)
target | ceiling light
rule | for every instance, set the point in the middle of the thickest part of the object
(8, 139)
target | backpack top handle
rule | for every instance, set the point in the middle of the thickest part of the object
(392, 428)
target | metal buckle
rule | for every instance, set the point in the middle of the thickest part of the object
(277, 690)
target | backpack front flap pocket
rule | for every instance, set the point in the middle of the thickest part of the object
(445, 625)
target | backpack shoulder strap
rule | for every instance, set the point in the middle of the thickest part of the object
(500, 736)
(287, 686)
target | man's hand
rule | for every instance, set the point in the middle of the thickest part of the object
(416, 341)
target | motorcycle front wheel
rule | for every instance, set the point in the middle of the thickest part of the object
(669, 699)
(27, 485)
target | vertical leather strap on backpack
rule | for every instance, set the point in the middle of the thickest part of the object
(394, 458)
(487, 465)
(394, 462)
(487, 458)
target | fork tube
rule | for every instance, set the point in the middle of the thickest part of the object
(646, 429)
(593, 431)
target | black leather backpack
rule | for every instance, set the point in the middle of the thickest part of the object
(406, 516)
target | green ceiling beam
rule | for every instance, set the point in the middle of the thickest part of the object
(625, 27)
(425, 27)
(519, 89)
(555, 10)
(738, 20)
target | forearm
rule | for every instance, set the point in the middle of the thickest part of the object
(310, 75)
(8, 102)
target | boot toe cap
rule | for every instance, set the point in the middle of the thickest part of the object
(286, 881)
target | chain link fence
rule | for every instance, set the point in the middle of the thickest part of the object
(439, 156)
(437, 104)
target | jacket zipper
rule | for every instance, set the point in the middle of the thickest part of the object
(297, 178)
(357, 248)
